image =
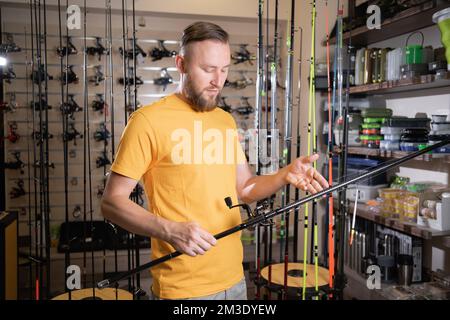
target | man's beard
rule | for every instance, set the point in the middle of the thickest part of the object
(198, 102)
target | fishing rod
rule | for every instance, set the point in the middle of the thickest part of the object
(41, 139)
(287, 143)
(112, 111)
(260, 93)
(87, 203)
(311, 136)
(330, 200)
(124, 61)
(343, 168)
(35, 180)
(274, 156)
(297, 191)
(261, 216)
(30, 231)
(64, 123)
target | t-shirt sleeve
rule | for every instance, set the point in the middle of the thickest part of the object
(137, 148)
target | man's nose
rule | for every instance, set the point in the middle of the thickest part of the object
(219, 79)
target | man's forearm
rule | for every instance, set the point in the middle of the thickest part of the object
(132, 217)
(260, 187)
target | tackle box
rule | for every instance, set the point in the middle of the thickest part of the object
(376, 113)
(392, 137)
(407, 122)
(390, 145)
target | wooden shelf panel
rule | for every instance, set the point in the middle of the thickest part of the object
(396, 224)
(403, 23)
(382, 153)
(406, 85)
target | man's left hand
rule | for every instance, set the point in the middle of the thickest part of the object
(301, 174)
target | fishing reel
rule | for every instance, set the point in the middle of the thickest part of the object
(76, 212)
(41, 136)
(102, 134)
(262, 207)
(99, 104)
(160, 52)
(99, 50)
(17, 191)
(132, 106)
(42, 103)
(70, 107)
(12, 132)
(100, 190)
(164, 80)
(38, 76)
(10, 106)
(129, 81)
(9, 74)
(9, 45)
(17, 164)
(69, 76)
(69, 49)
(38, 164)
(137, 195)
(225, 106)
(242, 83)
(243, 55)
(102, 161)
(72, 134)
(130, 54)
(245, 109)
(98, 77)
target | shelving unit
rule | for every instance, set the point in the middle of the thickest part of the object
(406, 21)
(370, 222)
(409, 228)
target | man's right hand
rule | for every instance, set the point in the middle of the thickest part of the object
(190, 238)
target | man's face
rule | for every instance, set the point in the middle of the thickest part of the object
(206, 66)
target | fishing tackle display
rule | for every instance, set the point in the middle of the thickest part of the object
(164, 80)
(17, 163)
(160, 52)
(98, 50)
(243, 55)
(69, 49)
(70, 107)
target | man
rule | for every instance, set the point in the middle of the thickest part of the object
(186, 189)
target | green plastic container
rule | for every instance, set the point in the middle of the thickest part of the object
(442, 18)
(374, 120)
(413, 52)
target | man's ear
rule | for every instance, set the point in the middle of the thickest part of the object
(180, 63)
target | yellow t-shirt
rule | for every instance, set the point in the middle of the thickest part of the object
(187, 161)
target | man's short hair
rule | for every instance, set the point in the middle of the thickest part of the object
(201, 31)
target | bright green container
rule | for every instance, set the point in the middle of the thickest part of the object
(413, 52)
(442, 18)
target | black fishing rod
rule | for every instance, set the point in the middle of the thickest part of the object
(264, 217)
(259, 95)
(47, 160)
(65, 119)
(87, 159)
(340, 275)
(35, 180)
(297, 191)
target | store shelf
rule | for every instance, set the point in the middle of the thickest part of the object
(403, 23)
(405, 227)
(405, 85)
(363, 151)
